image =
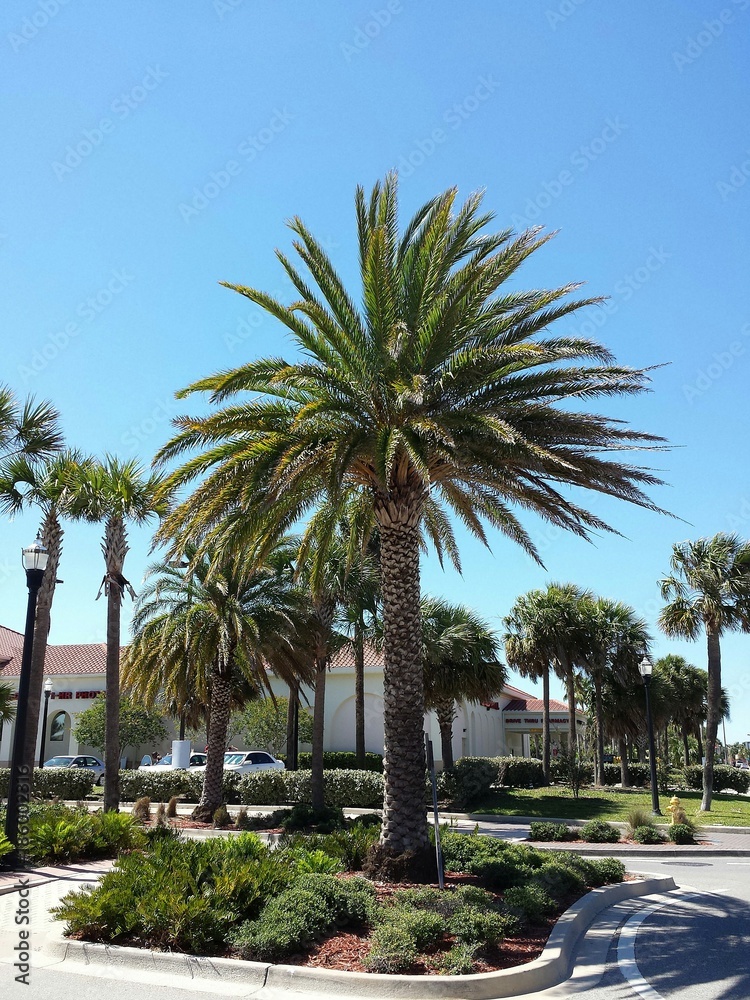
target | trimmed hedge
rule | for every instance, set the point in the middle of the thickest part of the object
(519, 772)
(360, 789)
(469, 781)
(54, 782)
(724, 777)
(341, 760)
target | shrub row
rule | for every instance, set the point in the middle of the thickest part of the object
(724, 777)
(54, 782)
(341, 759)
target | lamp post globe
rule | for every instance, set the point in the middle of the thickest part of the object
(646, 668)
(34, 558)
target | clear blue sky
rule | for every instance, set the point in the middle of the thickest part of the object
(152, 150)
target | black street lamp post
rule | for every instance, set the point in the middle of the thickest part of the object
(19, 787)
(646, 667)
(47, 693)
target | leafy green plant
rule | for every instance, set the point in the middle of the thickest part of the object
(469, 781)
(304, 817)
(392, 950)
(558, 880)
(471, 925)
(530, 903)
(647, 835)
(545, 831)
(596, 831)
(423, 927)
(263, 788)
(5, 845)
(519, 772)
(681, 833)
(318, 861)
(59, 839)
(459, 961)
(637, 817)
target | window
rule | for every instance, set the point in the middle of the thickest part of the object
(259, 758)
(57, 727)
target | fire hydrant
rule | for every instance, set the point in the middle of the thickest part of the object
(678, 813)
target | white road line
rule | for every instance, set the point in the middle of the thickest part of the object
(626, 946)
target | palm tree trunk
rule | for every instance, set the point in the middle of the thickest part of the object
(359, 695)
(571, 696)
(712, 717)
(624, 769)
(446, 713)
(546, 740)
(404, 814)
(213, 778)
(599, 712)
(699, 737)
(51, 533)
(115, 549)
(685, 746)
(292, 730)
(319, 704)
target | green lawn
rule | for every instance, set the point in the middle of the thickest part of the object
(609, 804)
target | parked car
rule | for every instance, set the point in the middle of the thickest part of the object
(247, 761)
(196, 760)
(92, 764)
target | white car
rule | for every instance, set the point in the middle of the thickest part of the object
(247, 761)
(92, 764)
(196, 760)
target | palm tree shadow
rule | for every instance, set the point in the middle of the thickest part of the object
(697, 943)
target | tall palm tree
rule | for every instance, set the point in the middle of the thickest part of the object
(708, 591)
(616, 639)
(237, 621)
(46, 484)
(115, 492)
(28, 429)
(690, 687)
(460, 663)
(441, 392)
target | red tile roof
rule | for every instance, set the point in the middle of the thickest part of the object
(83, 658)
(529, 704)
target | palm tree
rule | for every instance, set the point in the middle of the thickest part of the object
(237, 622)
(690, 687)
(46, 484)
(708, 590)
(442, 392)
(115, 492)
(616, 639)
(30, 429)
(460, 663)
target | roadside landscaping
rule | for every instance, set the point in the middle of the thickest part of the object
(309, 901)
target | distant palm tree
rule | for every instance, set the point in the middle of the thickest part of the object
(708, 590)
(442, 392)
(460, 663)
(242, 619)
(690, 692)
(115, 492)
(28, 429)
(615, 640)
(45, 483)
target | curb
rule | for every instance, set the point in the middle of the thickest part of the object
(551, 968)
(527, 820)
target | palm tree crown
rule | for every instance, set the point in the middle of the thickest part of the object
(440, 392)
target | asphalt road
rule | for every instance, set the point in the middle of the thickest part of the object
(695, 946)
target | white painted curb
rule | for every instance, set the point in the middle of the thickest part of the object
(551, 968)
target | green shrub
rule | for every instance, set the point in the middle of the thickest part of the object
(607, 871)
(530, 903)
(639, 816)
(193, 785)
(560, 771)
(304, 817)
(343, 760)
(559, 880)
(59, 839)
(156, 786)
(423, 927)
(647, 835)
(461, 851)
(472, 925)
(469, 781)
(596, 831)
(681, 833)
(313, 862)
(392, 950)
(519, 772)
(54, 783)
(639, 774)
(444, 902)
(459, 961)
(5, 845)
(112, 833)
(263, 788)
(551, 831)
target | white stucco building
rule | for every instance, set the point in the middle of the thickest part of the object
(503, 726)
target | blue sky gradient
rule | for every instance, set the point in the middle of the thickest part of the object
(151, 151)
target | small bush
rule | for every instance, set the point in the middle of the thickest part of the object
(519, 772)
(424, 928)
(530, 903)
(469, 781)
(724, 777)
(551, 831)
(637, 817)
(313, 862)
(392, 950)
(60, 839)
(647, 835)
(473, 926)
(112, 833)
(172, 807)
(596, 831)
(304, 817)
(459, 961)
(242, 820)
(559, 880)
(681, 833)
(221, 817)
(142, 809)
